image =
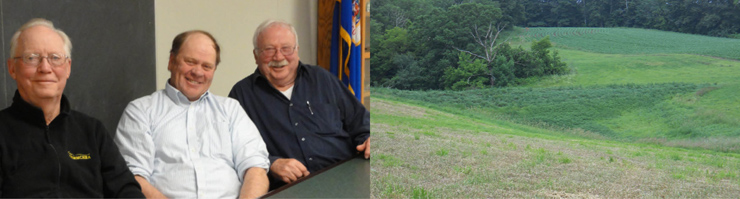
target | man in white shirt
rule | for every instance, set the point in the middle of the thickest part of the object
(183, 141)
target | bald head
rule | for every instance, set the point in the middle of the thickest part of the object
(180, 39)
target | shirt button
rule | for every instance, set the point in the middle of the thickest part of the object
(310, 159)
(296, 124)
(303, 139)
(291, 104)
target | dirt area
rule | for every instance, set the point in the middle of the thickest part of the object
(451, 162)
(390, 108)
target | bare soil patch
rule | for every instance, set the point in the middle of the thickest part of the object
(450, 162)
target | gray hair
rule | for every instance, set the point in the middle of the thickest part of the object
(269, 23)
(40, 22)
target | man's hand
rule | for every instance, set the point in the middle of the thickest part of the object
(288, 169)
(149, 191)
(365, 147)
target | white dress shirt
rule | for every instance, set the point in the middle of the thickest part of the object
(198, 149)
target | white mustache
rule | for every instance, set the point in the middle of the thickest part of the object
(278, 63)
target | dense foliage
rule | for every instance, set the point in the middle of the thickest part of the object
(508, 66)
(420, 44)
(458, 44)
(707, 17)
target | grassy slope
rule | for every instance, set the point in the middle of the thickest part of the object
(707, 115)
(474, 152)
(425, 153)
(599, 69)
(469, 150)
(715, 109)
(659, 113)
(717, 104)
(632, 41)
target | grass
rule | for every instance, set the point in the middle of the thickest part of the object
(621, 112)
(420, 193)
(631, 41)
(603, 69)
(643, 114)
(442, 152)
(523, 161)
(617, 91)
(388, 160)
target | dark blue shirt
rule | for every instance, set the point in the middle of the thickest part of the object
(320, 125)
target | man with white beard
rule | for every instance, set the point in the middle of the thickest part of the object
(308, 119)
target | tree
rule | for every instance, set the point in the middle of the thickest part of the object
(567, 13)
(513, 11)
(394, 42)
(390, 24)
(409, 76)
(508, 65)
(485, 42)
(469, 73)
(548, 64)
(437, 35)
(708, 17)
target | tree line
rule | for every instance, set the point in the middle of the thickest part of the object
(457, 44)
(719, 18)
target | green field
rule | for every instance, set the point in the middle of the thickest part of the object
(672, 99)
(653, 101)
(599, 69)
(631, 41)
(420, 152)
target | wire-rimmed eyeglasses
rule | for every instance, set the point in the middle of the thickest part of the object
(286, 51)
(34, 59)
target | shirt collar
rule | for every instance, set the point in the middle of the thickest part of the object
(33, 113)
(180, 98)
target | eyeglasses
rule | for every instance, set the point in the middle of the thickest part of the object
(284, 50)
(35, 59)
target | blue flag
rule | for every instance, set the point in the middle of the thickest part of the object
(346, 42)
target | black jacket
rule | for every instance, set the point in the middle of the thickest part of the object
(71, 157)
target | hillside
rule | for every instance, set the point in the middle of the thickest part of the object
(642, 113)
(631, 41)
(427, 153)
(622, 90)
(674, 114)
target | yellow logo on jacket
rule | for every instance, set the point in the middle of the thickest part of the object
(79, 156)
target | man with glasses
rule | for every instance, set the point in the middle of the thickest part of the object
(48, 150)
(185, 142)
(307, 117)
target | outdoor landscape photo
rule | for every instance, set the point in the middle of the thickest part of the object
(555, 99)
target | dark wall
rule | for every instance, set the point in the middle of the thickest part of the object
(113, 52)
